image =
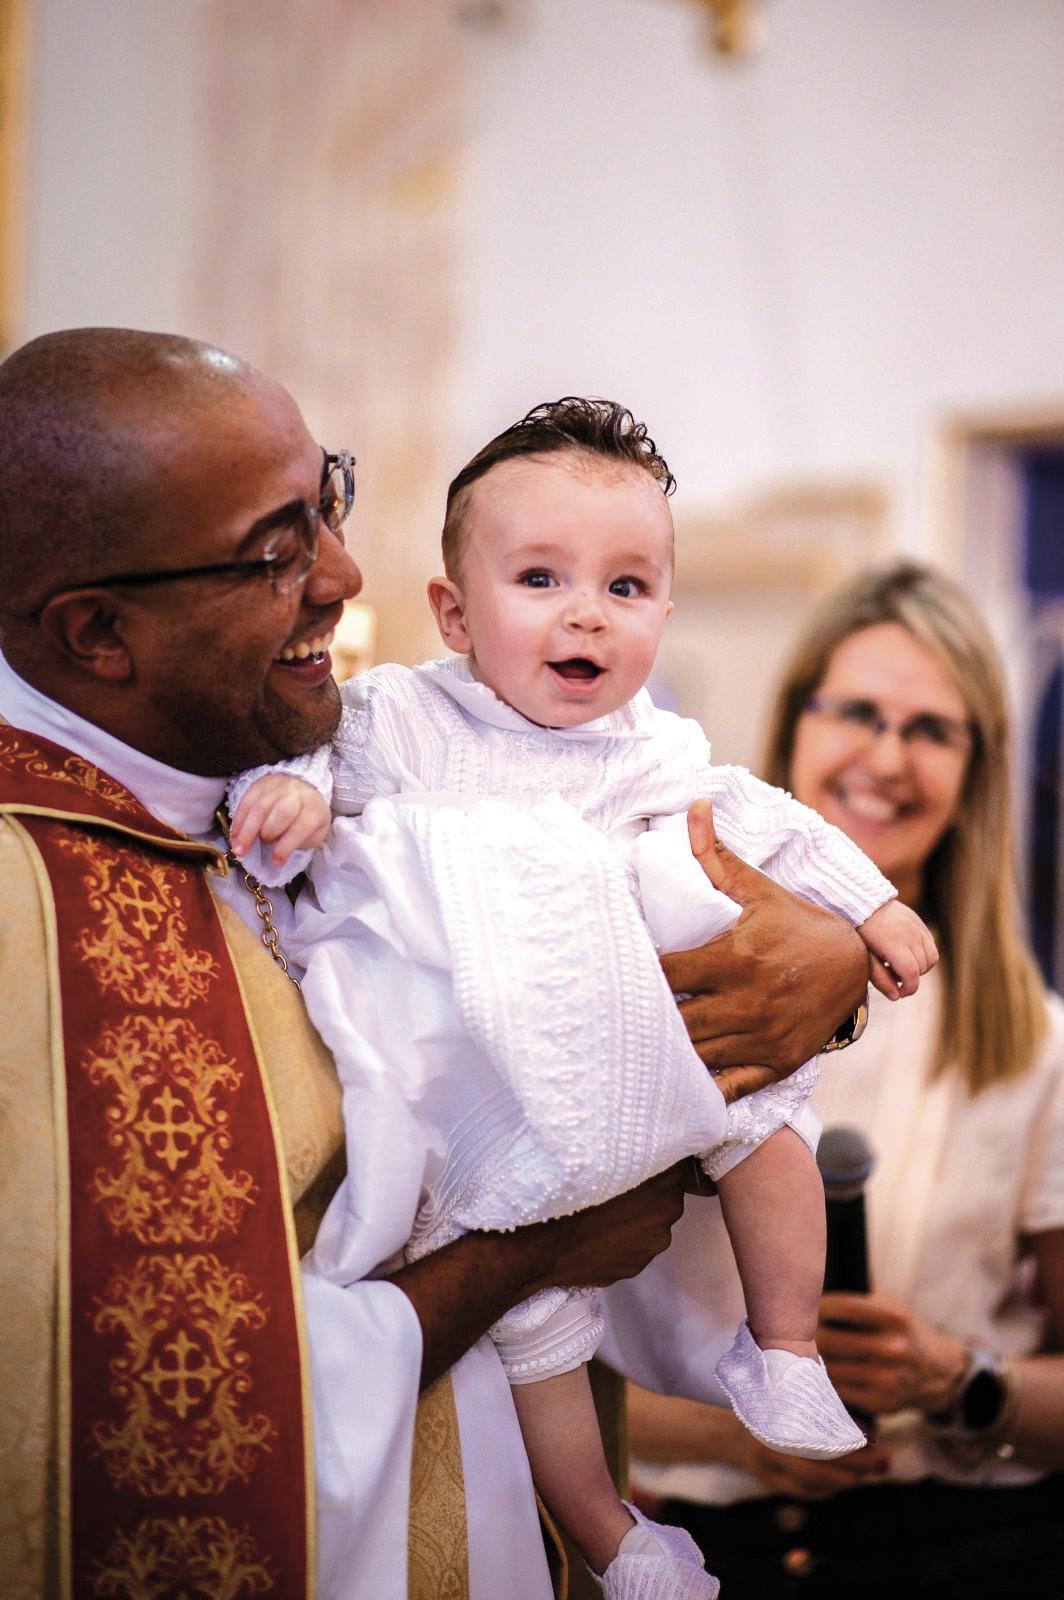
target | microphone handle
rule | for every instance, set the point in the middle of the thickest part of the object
(846, 1266)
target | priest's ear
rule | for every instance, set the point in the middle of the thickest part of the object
(448, 607)
(85, 627)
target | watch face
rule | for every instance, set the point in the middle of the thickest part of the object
(983, 1399)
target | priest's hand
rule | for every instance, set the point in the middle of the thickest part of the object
(773, 989)
(614, 1240)
(459, 1291)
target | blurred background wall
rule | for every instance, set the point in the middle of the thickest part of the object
(829, 274)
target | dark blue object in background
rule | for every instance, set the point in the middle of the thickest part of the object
(1043, 571)
(1043, 533)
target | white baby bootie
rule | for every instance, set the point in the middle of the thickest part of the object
(787, 1401)
(655, 1562)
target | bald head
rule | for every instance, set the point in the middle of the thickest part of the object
(143, 479)
(89, 418)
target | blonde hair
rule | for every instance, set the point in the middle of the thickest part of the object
(994, 1012)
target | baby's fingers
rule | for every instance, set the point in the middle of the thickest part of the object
(304, 834)
(282, 812)
(905, 966)
(296, 822)
(882, 977)
(246, 825)
(928, 951)
(911, 933)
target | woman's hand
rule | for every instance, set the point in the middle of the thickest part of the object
(881, 1357)
(667, 1429)
(807, 1480)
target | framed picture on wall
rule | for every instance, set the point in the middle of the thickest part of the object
(999, 516)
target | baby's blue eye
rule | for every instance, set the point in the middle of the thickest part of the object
(627, 588)
(536, 579)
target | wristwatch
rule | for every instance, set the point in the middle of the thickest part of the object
(982, 1397)
(850, 1031)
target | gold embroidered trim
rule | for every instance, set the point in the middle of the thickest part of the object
(138, 947)
(172, 1185)
(164, 1556)
(75, 771)
(292, 1246)
(207, 855)
(180, 1319)
(438, 1548)
(62, 1209)
(178, 1333)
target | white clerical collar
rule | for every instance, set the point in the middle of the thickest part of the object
(453, 675)
(184, 800)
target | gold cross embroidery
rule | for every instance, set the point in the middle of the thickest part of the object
(170, 1128)
(185, 1378)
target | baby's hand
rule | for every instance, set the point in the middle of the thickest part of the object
(901, 947)
(282, 811)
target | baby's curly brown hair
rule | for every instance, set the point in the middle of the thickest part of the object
(587, 427)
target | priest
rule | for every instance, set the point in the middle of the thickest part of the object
(183, 1409)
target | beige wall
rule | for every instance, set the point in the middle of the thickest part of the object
(792, 268)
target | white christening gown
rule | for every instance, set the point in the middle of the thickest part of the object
(481, 936)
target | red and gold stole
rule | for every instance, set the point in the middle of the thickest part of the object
(184, 1456)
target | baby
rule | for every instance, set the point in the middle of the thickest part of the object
(523, 826)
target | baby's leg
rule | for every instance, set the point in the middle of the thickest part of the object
(561, 1434)
(633, 1558)
(773, 1205)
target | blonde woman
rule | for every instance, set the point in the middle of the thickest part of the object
(891, 721)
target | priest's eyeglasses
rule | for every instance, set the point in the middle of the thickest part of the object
(864, 720)
(288, 553)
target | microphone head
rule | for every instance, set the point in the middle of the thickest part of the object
(846, 1160)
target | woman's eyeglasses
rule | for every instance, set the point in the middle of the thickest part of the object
(924, 730)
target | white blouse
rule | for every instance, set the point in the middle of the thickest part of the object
(959, 1180)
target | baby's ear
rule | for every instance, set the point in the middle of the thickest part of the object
(448, 607)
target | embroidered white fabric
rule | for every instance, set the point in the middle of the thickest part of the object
(435, 729)
(602, 806)
(550, 1333)
(446, 944)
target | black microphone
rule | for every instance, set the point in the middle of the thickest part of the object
(846, 1160)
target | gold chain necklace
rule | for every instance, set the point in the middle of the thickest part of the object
(263, 904)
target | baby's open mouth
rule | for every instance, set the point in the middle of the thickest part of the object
(577, 668)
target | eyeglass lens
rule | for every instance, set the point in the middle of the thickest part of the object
(337, 490)
(292, 551)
